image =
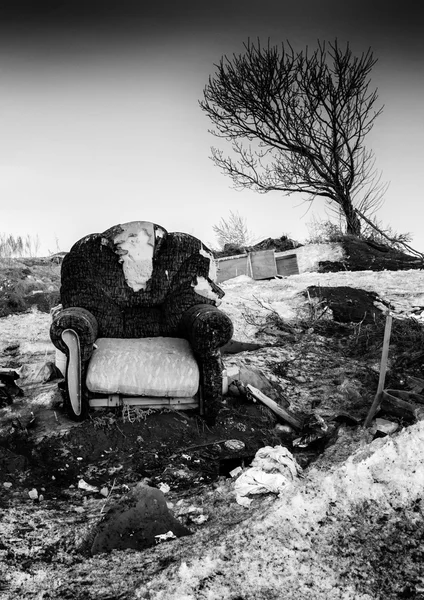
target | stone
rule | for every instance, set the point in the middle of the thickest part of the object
(135, 521)
(385, 426)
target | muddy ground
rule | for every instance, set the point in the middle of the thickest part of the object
(47, 515)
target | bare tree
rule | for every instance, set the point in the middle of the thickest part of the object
(297, 123)
(232, 231)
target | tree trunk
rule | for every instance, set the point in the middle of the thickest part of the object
(353, 224)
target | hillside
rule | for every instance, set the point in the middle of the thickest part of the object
(359, 254)
(351, 527)
(25, 282)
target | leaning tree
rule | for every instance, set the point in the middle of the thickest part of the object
(297, 122)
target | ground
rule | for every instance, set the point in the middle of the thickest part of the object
(351, 527)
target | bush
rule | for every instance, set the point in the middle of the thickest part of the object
(407, 338)
(324, 232)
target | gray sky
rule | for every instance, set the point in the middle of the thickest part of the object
(100, 122)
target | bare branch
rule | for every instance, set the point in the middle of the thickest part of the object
(297, 122)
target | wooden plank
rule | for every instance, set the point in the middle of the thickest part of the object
(411, 397)
(276, 408)
(230, 267)
(397, 407)
(263, 264)
(144, 401)
(383, 369)
(287, 265)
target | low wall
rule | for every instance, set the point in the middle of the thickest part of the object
(309, 256)
(307, 260)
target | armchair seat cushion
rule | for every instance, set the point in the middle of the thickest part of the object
(152, 366)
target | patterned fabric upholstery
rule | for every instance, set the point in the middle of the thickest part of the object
(162, 367)
(136, 280)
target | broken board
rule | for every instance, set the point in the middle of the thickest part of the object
(262, 264)
(287, 265)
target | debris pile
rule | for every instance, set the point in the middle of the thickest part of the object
(272, 470)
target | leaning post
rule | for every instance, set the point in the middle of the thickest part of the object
(383, 369)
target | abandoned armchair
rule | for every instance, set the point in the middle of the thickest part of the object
(140, 324)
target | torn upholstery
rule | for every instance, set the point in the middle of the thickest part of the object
(136, 280)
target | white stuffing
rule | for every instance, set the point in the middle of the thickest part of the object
(213, 272)
(204, 288)
(135, 246)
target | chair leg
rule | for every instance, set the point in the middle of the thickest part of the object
(73, 375)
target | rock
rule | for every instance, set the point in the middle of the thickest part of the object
(135, 521)
(385, 427)
(234, 445)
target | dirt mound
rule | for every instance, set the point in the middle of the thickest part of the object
(278, 244)
(366, 255)
(349, 305)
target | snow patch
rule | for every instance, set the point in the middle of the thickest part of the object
(309, 256)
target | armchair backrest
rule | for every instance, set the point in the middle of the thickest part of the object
(138, 280)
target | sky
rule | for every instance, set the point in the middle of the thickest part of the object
(100, 122)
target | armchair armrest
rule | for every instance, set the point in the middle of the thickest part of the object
(80, 320)
(206, 328)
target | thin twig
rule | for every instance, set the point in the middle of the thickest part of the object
(120, 430)
(110, 494)
(203, 445)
